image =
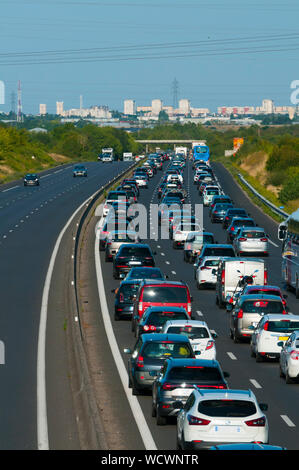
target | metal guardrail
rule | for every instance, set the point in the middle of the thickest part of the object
(272, 206)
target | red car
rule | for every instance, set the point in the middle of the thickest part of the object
(161, 294)
(266, 290)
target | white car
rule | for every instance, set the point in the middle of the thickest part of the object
(219, 416)
(269, 335)
(198, 333)
(175, 176)
(251, 240)
(289, 359)
(182, 231)
(209, 193)
(206, 272)
(141, 181)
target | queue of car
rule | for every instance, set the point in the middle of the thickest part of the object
(174, 356)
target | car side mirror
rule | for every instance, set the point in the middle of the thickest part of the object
(214, 271)
(214, 335)
(155, 253)
(178, 404)
(113, 291)
(263, 406)
(226, 374)
(285, 296)
(229, 307)
(280, 344)
(166, 276)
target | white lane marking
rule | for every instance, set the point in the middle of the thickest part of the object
(45, 176)
(199, 313)
(122, 370)
(42, 420)
(255, 383)
(272, 243)
(232, 356)
(162, 254)
(9, 189)
(167, 262)
(288, 421)
(173, 272)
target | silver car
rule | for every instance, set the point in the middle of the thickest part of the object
(249, 310)
(251, 240)
(116, 239)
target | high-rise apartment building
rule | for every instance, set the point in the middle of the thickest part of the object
(129, 107)
(157, 106)
(59, 107)
(42, 109)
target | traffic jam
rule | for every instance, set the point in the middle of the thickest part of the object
(174, 360)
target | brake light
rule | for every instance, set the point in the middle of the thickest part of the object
(139, 362)
(167, 386)
(240, 313)
(121, 297)
(209, 345)
(232, 229)
(265, 276)
(259, 422)
(140, 306)
(242, 239)
(149, 328)
(194, 421)
(295, 355)
(223, 277)
(264, 239)
(204, 267)
(266, 326)
(189, 308)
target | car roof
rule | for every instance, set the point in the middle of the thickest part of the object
(220, 394)
(217, 245)
(277, 317)
(156, 282)
(149, 337)
(167, 309)
(262, 287)
(186, 322)
(260, 297)
(130, 281)
(175, 362)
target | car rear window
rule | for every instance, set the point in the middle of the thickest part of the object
(211, 192)
(145, 273)
(160, 318)
(135, 251)
(263, 291)
(227, 408)
(219, 251)
(236, 211)
(204, 374)
(259, 306)
(192, 332)
(220, 207)
(283, 326)
(115, 195)
(253, 234)
(244, 223)
(164, 349)
(160, 294)
(212, 262)
(127, 292)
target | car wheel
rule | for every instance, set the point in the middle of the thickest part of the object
(154, 410)
(235, 337)
(259, 358)
(297, 288)
(289, 379)
(135, 390)
(161, 420)
(281, 374)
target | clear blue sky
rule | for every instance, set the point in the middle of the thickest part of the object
(213, 43)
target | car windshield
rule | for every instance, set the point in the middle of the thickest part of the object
(212, 191)
(219, 251)
(192, 332)
(200, 239)
(200, 373)
(262, 306)
(160, 318)
(143, 273)
(253, 234)
(283, 326)
(163, 349)
(31, 177)
(170, 294)
(134, 251)
(227, 408)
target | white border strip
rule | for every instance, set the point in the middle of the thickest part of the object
(42, 421)
(133, 401)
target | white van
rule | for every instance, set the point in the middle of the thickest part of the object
(232, 270)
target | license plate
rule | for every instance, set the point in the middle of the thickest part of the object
(196, 347)
(228, 429)
(283, 338)
(135, 263)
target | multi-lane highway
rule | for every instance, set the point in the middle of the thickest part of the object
(31, 219)
(262, 378)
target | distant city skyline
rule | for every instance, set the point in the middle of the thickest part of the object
(219, 52)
